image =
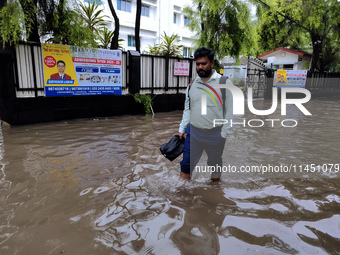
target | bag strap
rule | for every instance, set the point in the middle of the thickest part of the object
(189, 87)
(223, 80)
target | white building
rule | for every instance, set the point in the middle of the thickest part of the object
(287, 59)
(157, 16)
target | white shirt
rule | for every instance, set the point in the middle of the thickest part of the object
(192, 110)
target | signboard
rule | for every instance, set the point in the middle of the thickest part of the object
(291, 78)
(181, 68)
(74, 71)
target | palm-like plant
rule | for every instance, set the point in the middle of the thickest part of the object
(105, 37)
(65, 26)
(168, 46)
(93, 17)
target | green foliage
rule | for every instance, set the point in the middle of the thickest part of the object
(169, 46)
(11, 21)
(29, 9)
(105, 37)
(17, 20)
(59, 22)
(316, 29)
(145, 100)
(67, 26)
(155, 49)
(92, 17)
(223, 25)
(276, 31)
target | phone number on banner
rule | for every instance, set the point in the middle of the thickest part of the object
(82, 90)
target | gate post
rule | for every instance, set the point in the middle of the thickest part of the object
(134, 72)
(167, 59)
(7, 83)
(269, 84)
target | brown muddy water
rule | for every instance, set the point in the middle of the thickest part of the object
(101, 186)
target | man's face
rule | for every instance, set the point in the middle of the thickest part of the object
(61, 67)
(204, 67)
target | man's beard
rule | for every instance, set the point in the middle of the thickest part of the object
(204, 73)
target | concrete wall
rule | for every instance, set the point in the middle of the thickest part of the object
(17, 110)
(22, 111)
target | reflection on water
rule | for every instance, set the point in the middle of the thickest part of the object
(100, 186)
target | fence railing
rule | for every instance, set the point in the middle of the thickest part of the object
(157, 72)
(29, 77)
(322, 81)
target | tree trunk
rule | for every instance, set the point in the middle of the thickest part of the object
(200, 7)
(3, 3)
(114, 42)
(137, 26)
(317, 50)
(34, 35)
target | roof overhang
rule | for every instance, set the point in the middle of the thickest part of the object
(286, 50)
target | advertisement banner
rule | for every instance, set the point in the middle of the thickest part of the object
(181, 68)
(74, 71)
(291, 78)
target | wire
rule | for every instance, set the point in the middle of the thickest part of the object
(281, 14)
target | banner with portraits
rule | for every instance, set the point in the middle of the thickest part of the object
(291, 78)
(75, 71)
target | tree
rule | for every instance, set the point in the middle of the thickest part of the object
(67, 26)
(223, 25)
(29, 7)
(310, 25)
(137, 24)
(11, 20)
(115, 38)
(18, 21)
(92, 17)
(23, 20)
(168, 46)
(105, 37)
(63, 24)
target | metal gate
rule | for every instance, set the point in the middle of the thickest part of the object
(257, 80)
(256, 77)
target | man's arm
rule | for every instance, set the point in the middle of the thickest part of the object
(186, 115)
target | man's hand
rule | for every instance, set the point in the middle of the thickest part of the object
(180, 135)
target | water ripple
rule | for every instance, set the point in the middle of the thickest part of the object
(101, 186)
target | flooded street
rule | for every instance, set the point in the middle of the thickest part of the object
(101, 186)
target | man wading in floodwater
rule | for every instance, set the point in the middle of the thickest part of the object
(200, 130)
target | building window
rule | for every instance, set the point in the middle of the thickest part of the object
(288, 67)
(124, 5)
(93, 1)
(186, 20)
(145, 10)
(131, 41)
(175, 18)
(187, 52)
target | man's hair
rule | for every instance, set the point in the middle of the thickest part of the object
(204, 52)
(60, 61)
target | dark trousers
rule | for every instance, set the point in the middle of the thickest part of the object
(197, 141)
